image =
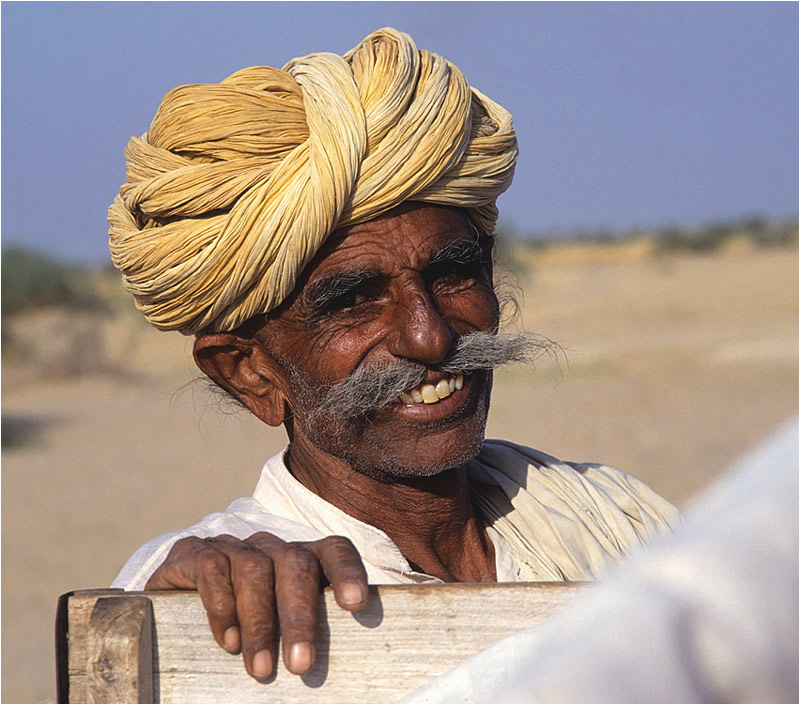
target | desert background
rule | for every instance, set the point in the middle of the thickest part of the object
(678, 351)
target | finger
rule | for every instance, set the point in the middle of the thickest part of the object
(297, 590)
(344, 569)
(169, 575)
(197, 564)
(252, 574)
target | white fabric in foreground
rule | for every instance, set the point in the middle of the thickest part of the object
(547, 520)
(707, 615)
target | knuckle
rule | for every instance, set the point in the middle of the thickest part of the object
(254, 566)
(339, 549)
(300, 626)
(299, 558)
(262, 537)
(340, 544)
(264, 541)
(220, 604)
(214, 564)
(183, 547)
(262, 630)
(186, 541)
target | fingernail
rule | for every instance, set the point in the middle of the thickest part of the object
(300, 657)
(230, 639)
(262, 664)
(351, 593)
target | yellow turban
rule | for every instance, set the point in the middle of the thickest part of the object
(236, 185)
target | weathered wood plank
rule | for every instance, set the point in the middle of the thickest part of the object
(70, 648)
(404, 637)
(119, 653)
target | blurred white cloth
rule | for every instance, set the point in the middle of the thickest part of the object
(547, 519)
(709, 614)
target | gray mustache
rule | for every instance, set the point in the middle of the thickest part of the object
(371, 387)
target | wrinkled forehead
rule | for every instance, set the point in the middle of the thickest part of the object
(406, 237)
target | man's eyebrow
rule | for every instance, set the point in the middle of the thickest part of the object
(463, 251)
(327, 289)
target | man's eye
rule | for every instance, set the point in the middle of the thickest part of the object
(347, 300)
(452, 274)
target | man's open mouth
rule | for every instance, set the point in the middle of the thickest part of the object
(431, 393)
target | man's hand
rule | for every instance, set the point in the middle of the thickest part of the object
(244, 583)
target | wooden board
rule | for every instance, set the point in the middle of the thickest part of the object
(157, 646)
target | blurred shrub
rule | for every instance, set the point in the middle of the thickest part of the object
(706, 238)
(32, 280)
(755, 229)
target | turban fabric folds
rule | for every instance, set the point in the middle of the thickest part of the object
(236, 185)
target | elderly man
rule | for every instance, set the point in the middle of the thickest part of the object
(325, 233)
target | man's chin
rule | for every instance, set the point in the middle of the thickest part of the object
(390, 468)
(408, 454)
(389, 449)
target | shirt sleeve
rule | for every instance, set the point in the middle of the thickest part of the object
(242, 519)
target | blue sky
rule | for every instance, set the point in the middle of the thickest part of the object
(628, 114)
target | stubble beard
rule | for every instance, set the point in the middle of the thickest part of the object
(365, 443)
(353, 421)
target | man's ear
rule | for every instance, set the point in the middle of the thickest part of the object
(244, 369)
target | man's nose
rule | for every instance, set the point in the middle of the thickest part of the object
(420, 331)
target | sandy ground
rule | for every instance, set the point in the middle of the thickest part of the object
(672, 367)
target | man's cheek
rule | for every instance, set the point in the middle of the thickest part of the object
(482, 315)
(317, 362)
(491, 307)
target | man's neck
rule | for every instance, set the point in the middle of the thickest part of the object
(430, 519)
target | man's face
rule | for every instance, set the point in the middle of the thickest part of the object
(404, 286)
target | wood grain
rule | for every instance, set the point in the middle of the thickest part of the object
(119, 653)
(403, 638)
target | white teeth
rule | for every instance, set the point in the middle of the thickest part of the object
(443, 389)
(430, 394)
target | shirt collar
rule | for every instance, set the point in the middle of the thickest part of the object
(280, 493)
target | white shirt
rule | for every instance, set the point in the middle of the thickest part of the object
(547, 519)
